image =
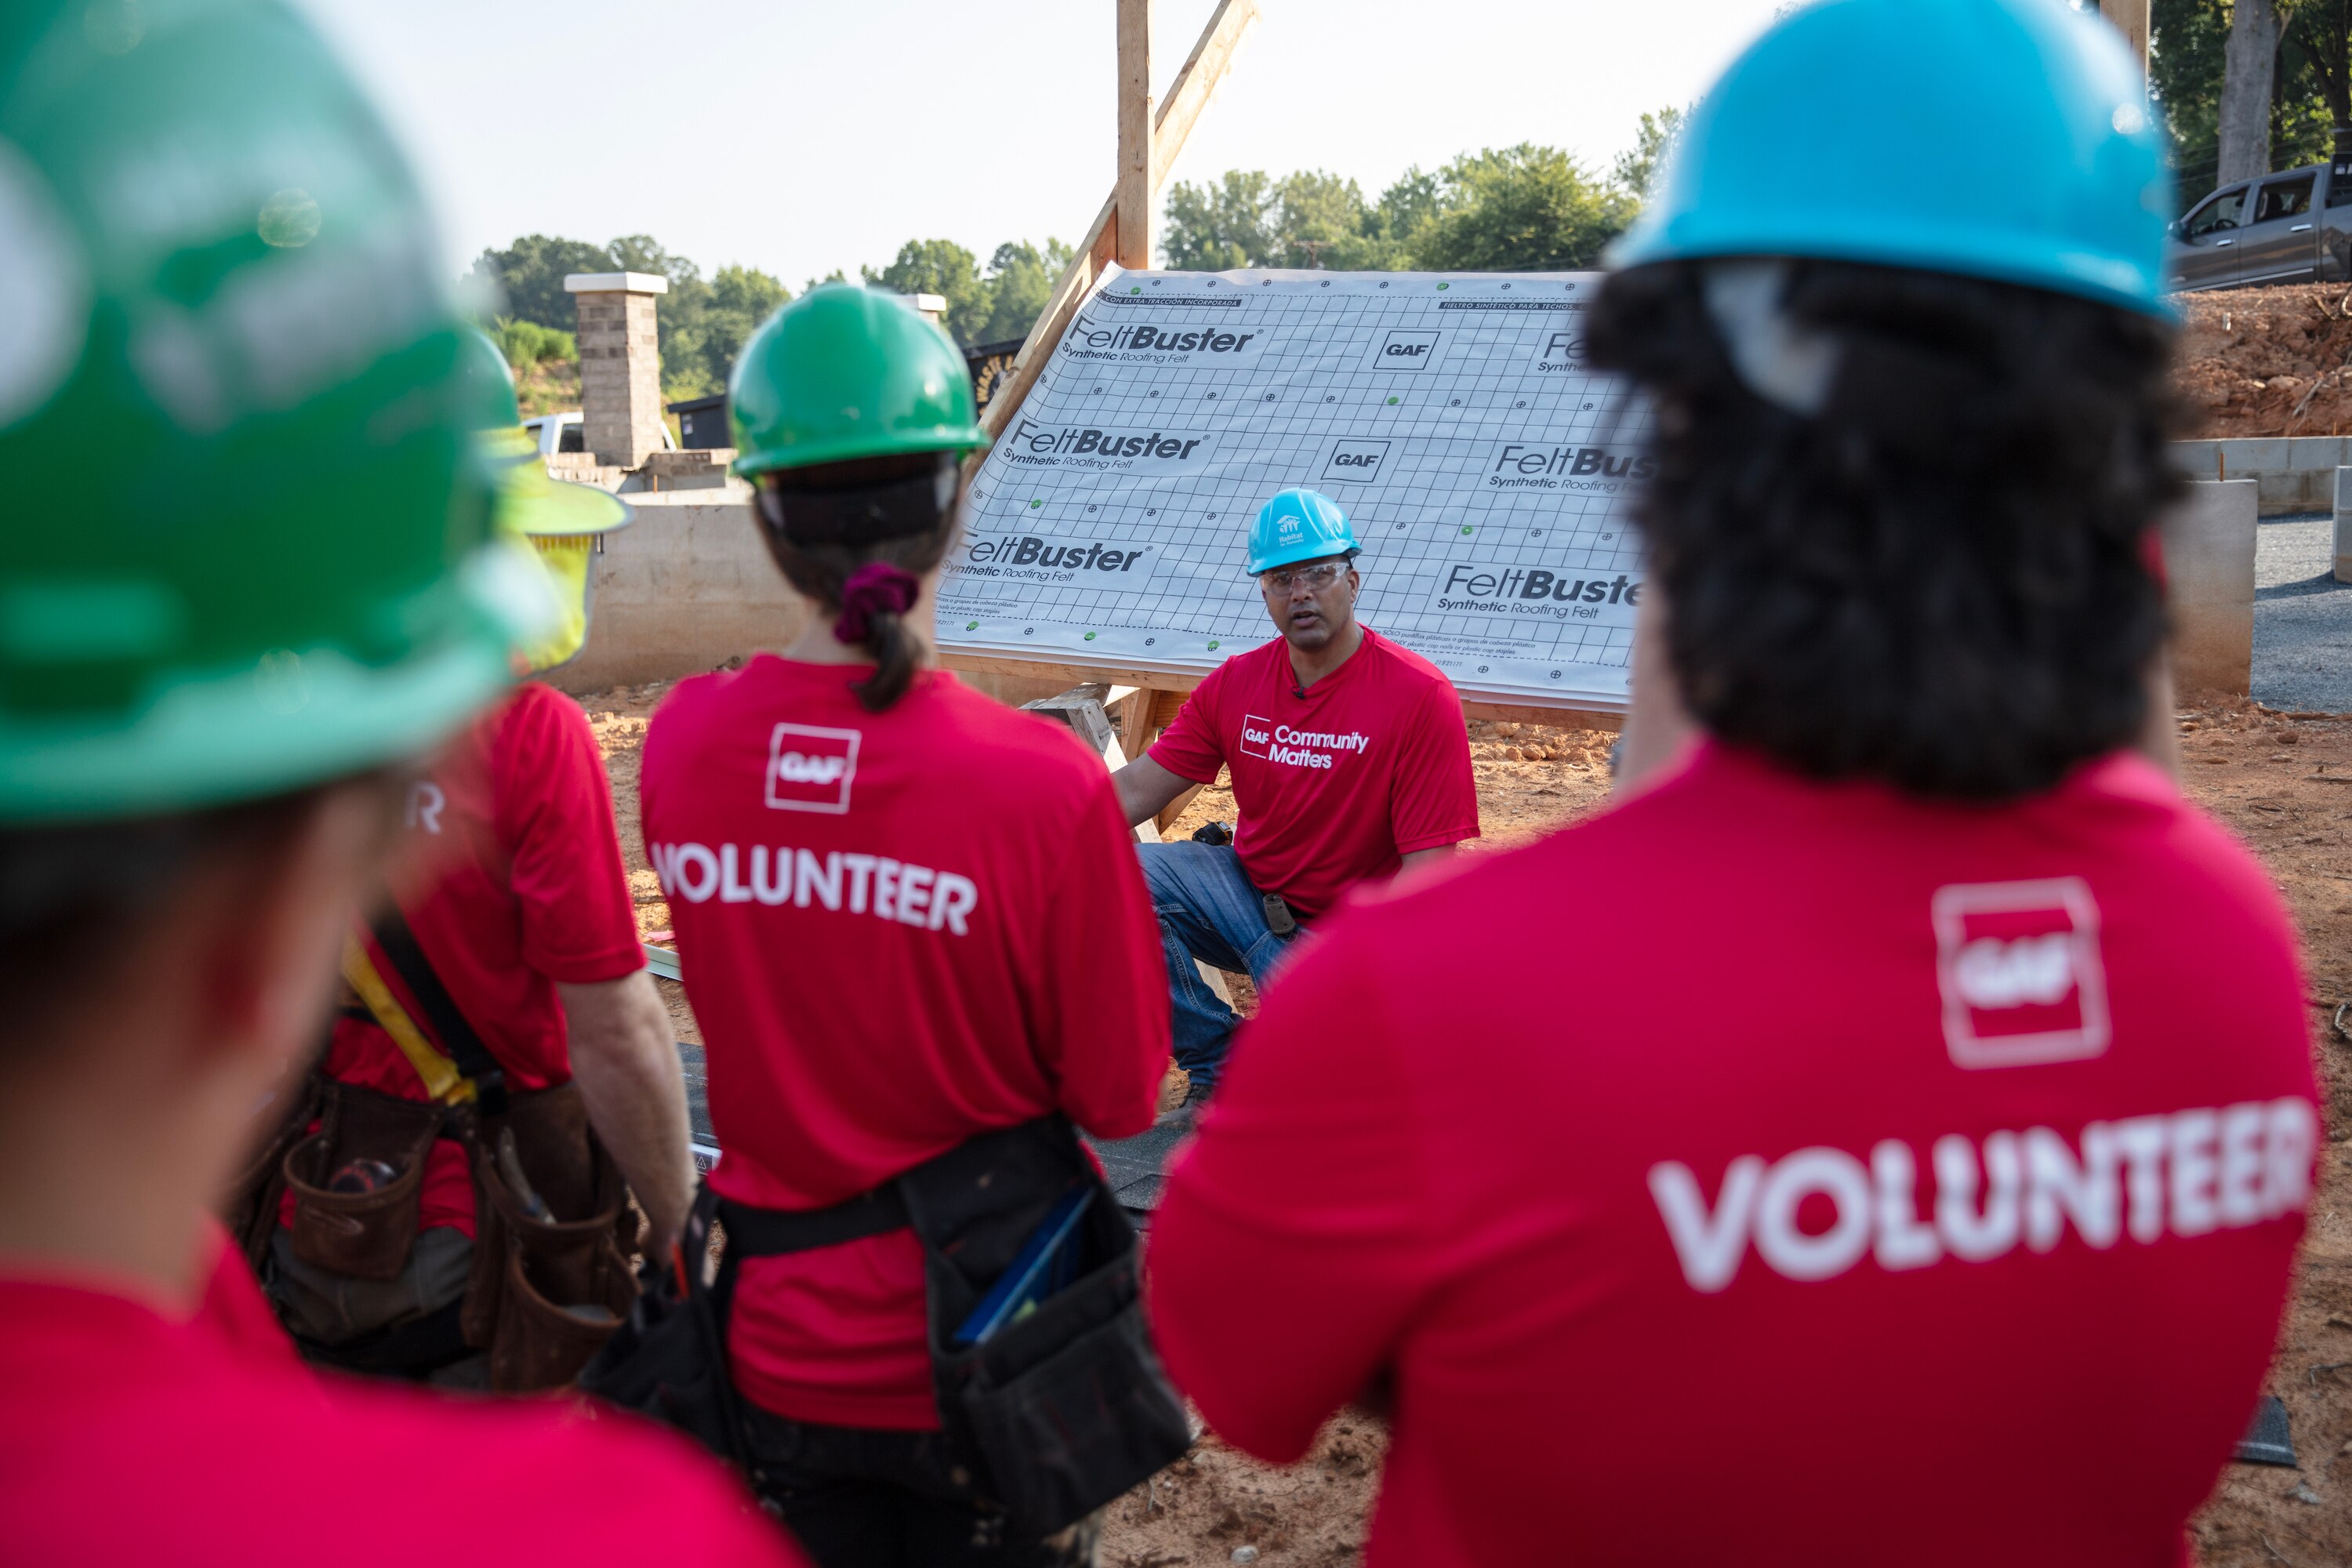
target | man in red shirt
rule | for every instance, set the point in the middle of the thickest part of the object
(1349, 763)
(1903, 1089)
(509, 880)
(268, 580)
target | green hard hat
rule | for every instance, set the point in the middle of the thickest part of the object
(249, 544)
(845, 373)
(490, 400)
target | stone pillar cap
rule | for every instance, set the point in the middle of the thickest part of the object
(615, 283)
(931, 304)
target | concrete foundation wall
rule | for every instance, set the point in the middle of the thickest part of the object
(690, 587)
(2208, 562)
(2292, 473)
(685, 588)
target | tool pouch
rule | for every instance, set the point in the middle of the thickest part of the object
(250, 1215)
(1069, 1406)
(669, 1361)
(546, 1292)
(365, 1235)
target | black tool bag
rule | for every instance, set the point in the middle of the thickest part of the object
(1058, 1414)
(668, 1358)
(1066, 1407)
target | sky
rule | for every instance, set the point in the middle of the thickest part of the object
(801, 138)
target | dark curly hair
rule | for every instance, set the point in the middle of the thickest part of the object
(1937, 581)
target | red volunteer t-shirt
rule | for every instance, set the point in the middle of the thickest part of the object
(510, 874)
(898, 930)
(130, 1435)
(1335, 786)
(1942, 1166)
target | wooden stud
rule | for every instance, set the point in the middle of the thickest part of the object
(2130, 17)
(1137, 191)
(1210, 57)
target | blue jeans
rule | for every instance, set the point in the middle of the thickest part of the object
(1207, 910)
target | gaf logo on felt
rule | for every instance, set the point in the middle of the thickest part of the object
(1256, 735)
(2019, 967)
(1403, 350)
(1356, 461)
(810, 769)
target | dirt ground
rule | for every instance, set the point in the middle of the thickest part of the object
(2283, 784)
(2267, 362)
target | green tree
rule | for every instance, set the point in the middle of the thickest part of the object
(703, 324)
(1520, 209)
(527, 344)
(939, 267)
(528, 277)
(1021, 278)
(1640, 170)
(1221, 226)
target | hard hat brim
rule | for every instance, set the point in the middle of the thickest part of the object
(850, 448)
(300, 716)
(1313, 551)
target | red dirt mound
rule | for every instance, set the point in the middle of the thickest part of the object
(2267, 362)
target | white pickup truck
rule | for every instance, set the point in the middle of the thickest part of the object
(566, 432)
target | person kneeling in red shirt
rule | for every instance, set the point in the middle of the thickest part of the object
(1349, 763)
(1922, 1113)
(271, 586)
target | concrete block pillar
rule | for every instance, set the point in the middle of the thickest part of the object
(619, 365)
(2343, 526)
(2209, 566)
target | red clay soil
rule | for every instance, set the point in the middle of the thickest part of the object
(2267, 362)
(2283, 786)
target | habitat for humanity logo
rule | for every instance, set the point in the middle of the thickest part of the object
(1085, 446)
(810, 769)
(1158, 343)
(1405, 350)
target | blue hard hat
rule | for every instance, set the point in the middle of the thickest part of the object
(2002, 138)
(1299, 525)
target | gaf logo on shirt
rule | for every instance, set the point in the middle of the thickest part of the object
(810, 769)
(1405, 350)
(2018, 963)
(1256, 733)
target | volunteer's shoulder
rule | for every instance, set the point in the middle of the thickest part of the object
(1404, 670)
(694, 701)
(2218, 879)
(1025, 759)
(1464, 907)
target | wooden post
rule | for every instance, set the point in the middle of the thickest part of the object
(1187, 95)
(1137, 189)
(2130, 17)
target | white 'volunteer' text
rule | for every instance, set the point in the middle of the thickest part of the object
(874, 885)
(2191, 1173)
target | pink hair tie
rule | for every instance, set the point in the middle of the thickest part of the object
(873, 589)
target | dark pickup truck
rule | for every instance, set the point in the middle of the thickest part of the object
(2289, 228)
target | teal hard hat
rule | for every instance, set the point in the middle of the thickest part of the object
(1299, 525)
(2010, 139)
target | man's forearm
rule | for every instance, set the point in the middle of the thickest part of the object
(624, 1059)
